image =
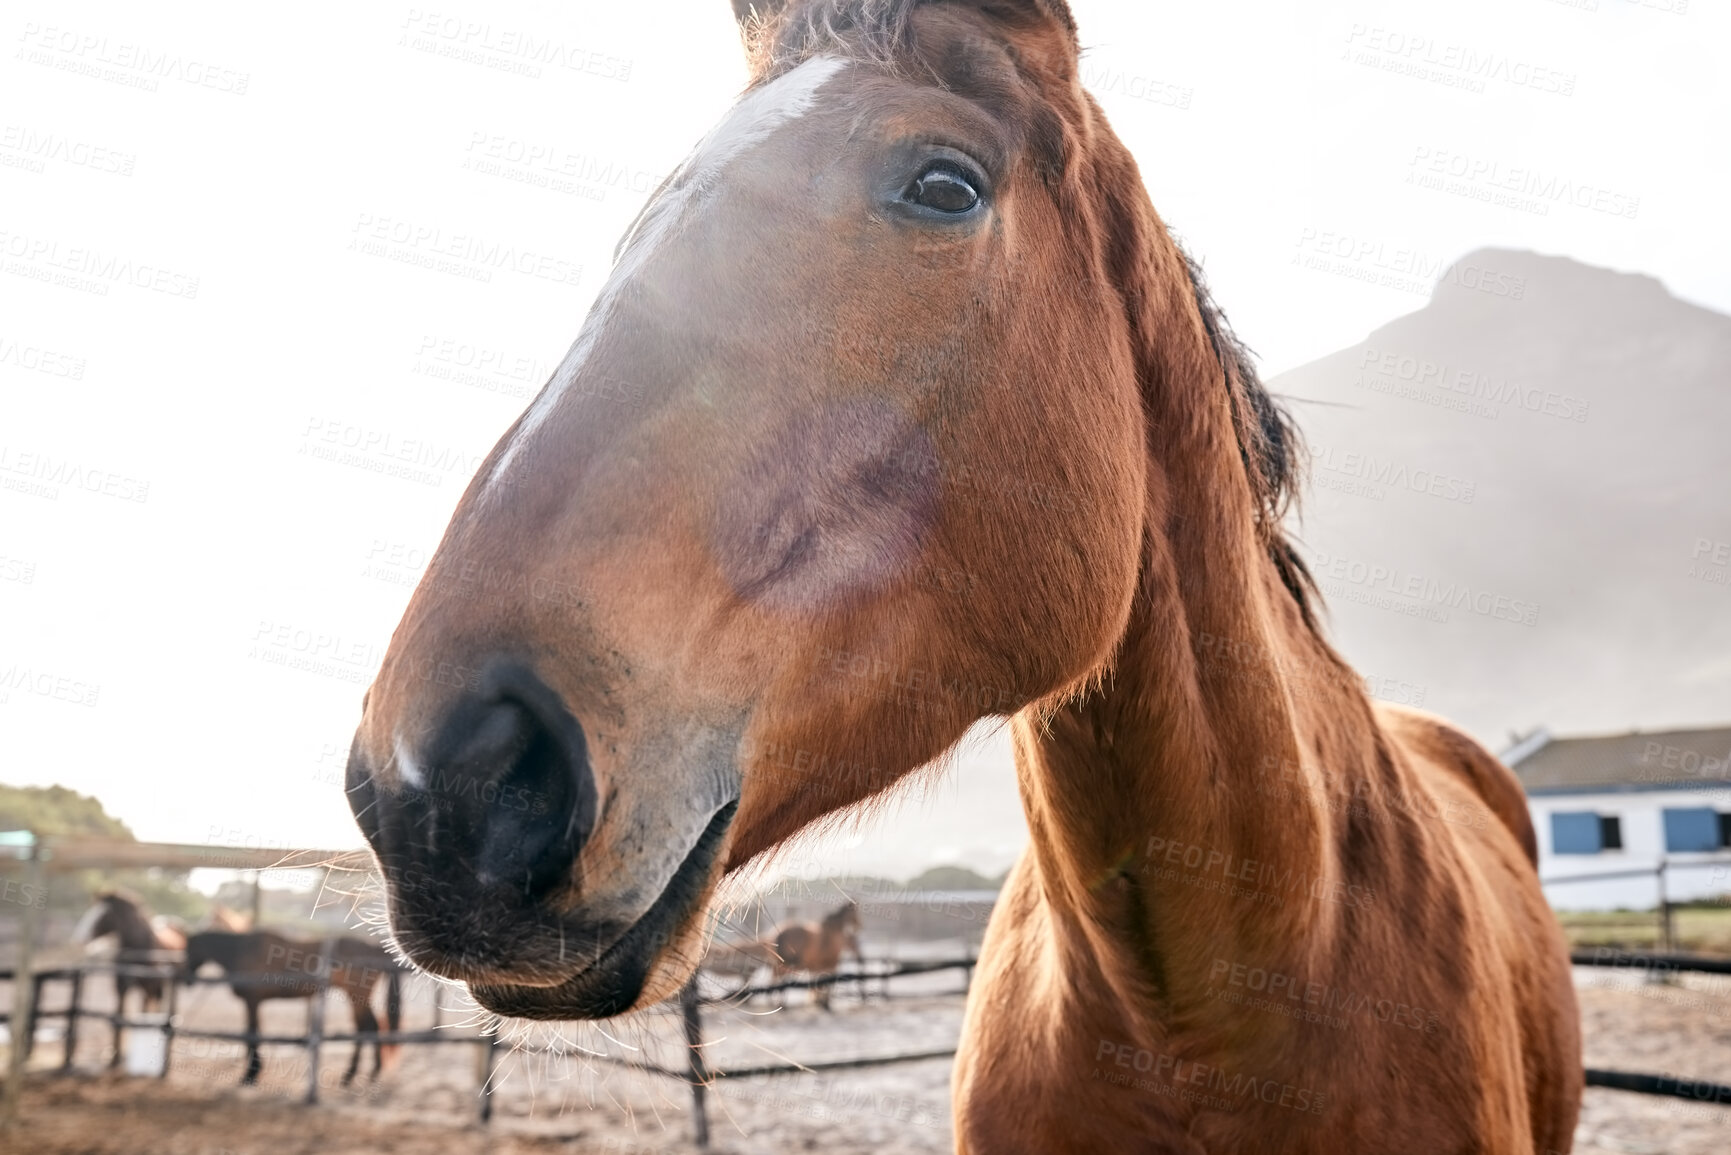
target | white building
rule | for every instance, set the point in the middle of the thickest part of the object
(1626, 803)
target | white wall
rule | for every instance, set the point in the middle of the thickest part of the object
(1643, 846)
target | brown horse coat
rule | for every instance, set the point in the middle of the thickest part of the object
(908, 311)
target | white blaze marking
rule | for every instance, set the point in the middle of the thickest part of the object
(411, 774)
(87, 923)
(751, 122)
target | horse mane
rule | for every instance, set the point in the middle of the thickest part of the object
(1269, 442)
(874, 30)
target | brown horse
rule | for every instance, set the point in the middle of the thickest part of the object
(816, 948)
(262, 965)
(142, 941)
(908, 310)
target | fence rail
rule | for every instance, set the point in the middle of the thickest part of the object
(697, 1075)
(1659, 872)
(1669, 1086)
(700, 1077)
(168, 971)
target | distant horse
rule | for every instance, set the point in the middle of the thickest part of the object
(908, 310)
(142, 940)
(816, 948)
(263, 965)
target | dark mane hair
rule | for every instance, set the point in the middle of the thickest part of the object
(877, 30)
(1269, 441)
(880, 31)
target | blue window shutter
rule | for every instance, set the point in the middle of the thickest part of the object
(1575, 832)
(1694, 829)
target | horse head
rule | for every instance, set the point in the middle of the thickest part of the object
(115, 913)
(843, 920)
(851, 451)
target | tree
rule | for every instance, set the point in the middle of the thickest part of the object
(51, 811)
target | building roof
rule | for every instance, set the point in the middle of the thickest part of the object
(1662, 760)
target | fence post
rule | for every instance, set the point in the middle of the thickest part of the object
(1667, 934)
(37, 982)
(489, 1055)
(72, 1010)
(697, 1070)
(316, 1019)
(169, 999)
(23, 1012)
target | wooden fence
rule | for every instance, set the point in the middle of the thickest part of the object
(696, 1073)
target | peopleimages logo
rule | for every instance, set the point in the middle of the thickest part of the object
(89, 270)
(1178, 1077)
(506, 49)
(34, 150)
(1514, 186)
(122, 62)
(42, 475)
(463, 254)
(1379, 474)
(1343, 576)
(1710, 561)
(39, 360)
(1463, 66)
(1385, 370)
(28, 679)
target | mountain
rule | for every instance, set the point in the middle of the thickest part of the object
(1520, 500)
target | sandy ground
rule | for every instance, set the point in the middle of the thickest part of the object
(551, 1094)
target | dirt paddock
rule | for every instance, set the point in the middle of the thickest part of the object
(552, 1095)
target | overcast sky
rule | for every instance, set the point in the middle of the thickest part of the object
(216, 225)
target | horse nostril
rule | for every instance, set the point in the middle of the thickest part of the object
(537, 804)
(501, 797)
(495, 804)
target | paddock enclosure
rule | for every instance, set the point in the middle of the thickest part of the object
(1242, 484)
(543, 1103)
(777, 1073)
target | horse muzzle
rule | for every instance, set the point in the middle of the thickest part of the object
(481, 830)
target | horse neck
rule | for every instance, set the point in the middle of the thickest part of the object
(224, 949)
(1169, 748)
(134, 930)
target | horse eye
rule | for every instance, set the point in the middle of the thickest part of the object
(944, 189)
